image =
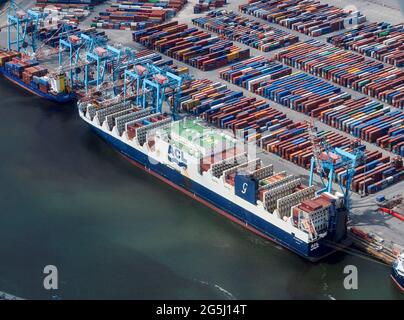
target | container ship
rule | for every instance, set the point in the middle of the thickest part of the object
(29, 75)
(211, 166)
(397, 272)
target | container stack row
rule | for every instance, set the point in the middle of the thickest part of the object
(75, 3)
(306, 16)
(255, 120)
(137, 15)
(255, 34)
(347, 69)
(206, 5)
(370, 121)
(51, 38)
(381, 41)
(59, 13)
(149, 56)
(195, 47)
(362, 118)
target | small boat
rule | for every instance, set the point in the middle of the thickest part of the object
(397, 272)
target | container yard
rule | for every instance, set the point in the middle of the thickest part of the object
(381, 41)
(309, 17)
(252, 33)
(196, 48)
(62, 14)
(135, 15)
(256, 76)
(347, 69)
(362, 118)
(207, 5)
(48, 36)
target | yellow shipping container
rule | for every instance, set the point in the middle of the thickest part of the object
(232, 56)
(182, 70)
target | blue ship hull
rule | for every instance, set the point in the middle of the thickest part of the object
(60, 98)
(312, 251)
(397, 278)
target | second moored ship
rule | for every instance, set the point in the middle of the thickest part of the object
(30, 76)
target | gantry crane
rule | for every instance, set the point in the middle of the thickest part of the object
(154, 86)
(77, 46)
(100, 58)
(327, 159)
(22, 27)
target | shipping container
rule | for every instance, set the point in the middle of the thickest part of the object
(206, 5)
(235, 27)
(381, 41)
(137, 15)
(362, 118)
(197, 48)
(255, 121)
(347, 69)
(306, 16)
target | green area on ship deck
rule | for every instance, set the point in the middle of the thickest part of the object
(193, 137)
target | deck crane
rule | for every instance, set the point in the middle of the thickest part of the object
(327, 159)
(22, 27)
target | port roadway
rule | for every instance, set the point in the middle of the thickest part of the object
(364, 209)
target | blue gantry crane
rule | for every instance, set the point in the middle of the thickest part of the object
(154, 86)
(159, 86)
(98, 60)
(22, 27)
(326, 160)
(77, 46)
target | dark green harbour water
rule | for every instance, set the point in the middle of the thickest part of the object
(68, 199)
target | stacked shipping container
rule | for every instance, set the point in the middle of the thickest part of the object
(50, 38)
(252, 33)
(306, 16)
(347, 69)
(255, 120)
(381, 41)
(27, 71)
(71, 2)
(197, 48)
(362, 118)
(63, 13)
(137, 15)
(206, 5)
(149, 56)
